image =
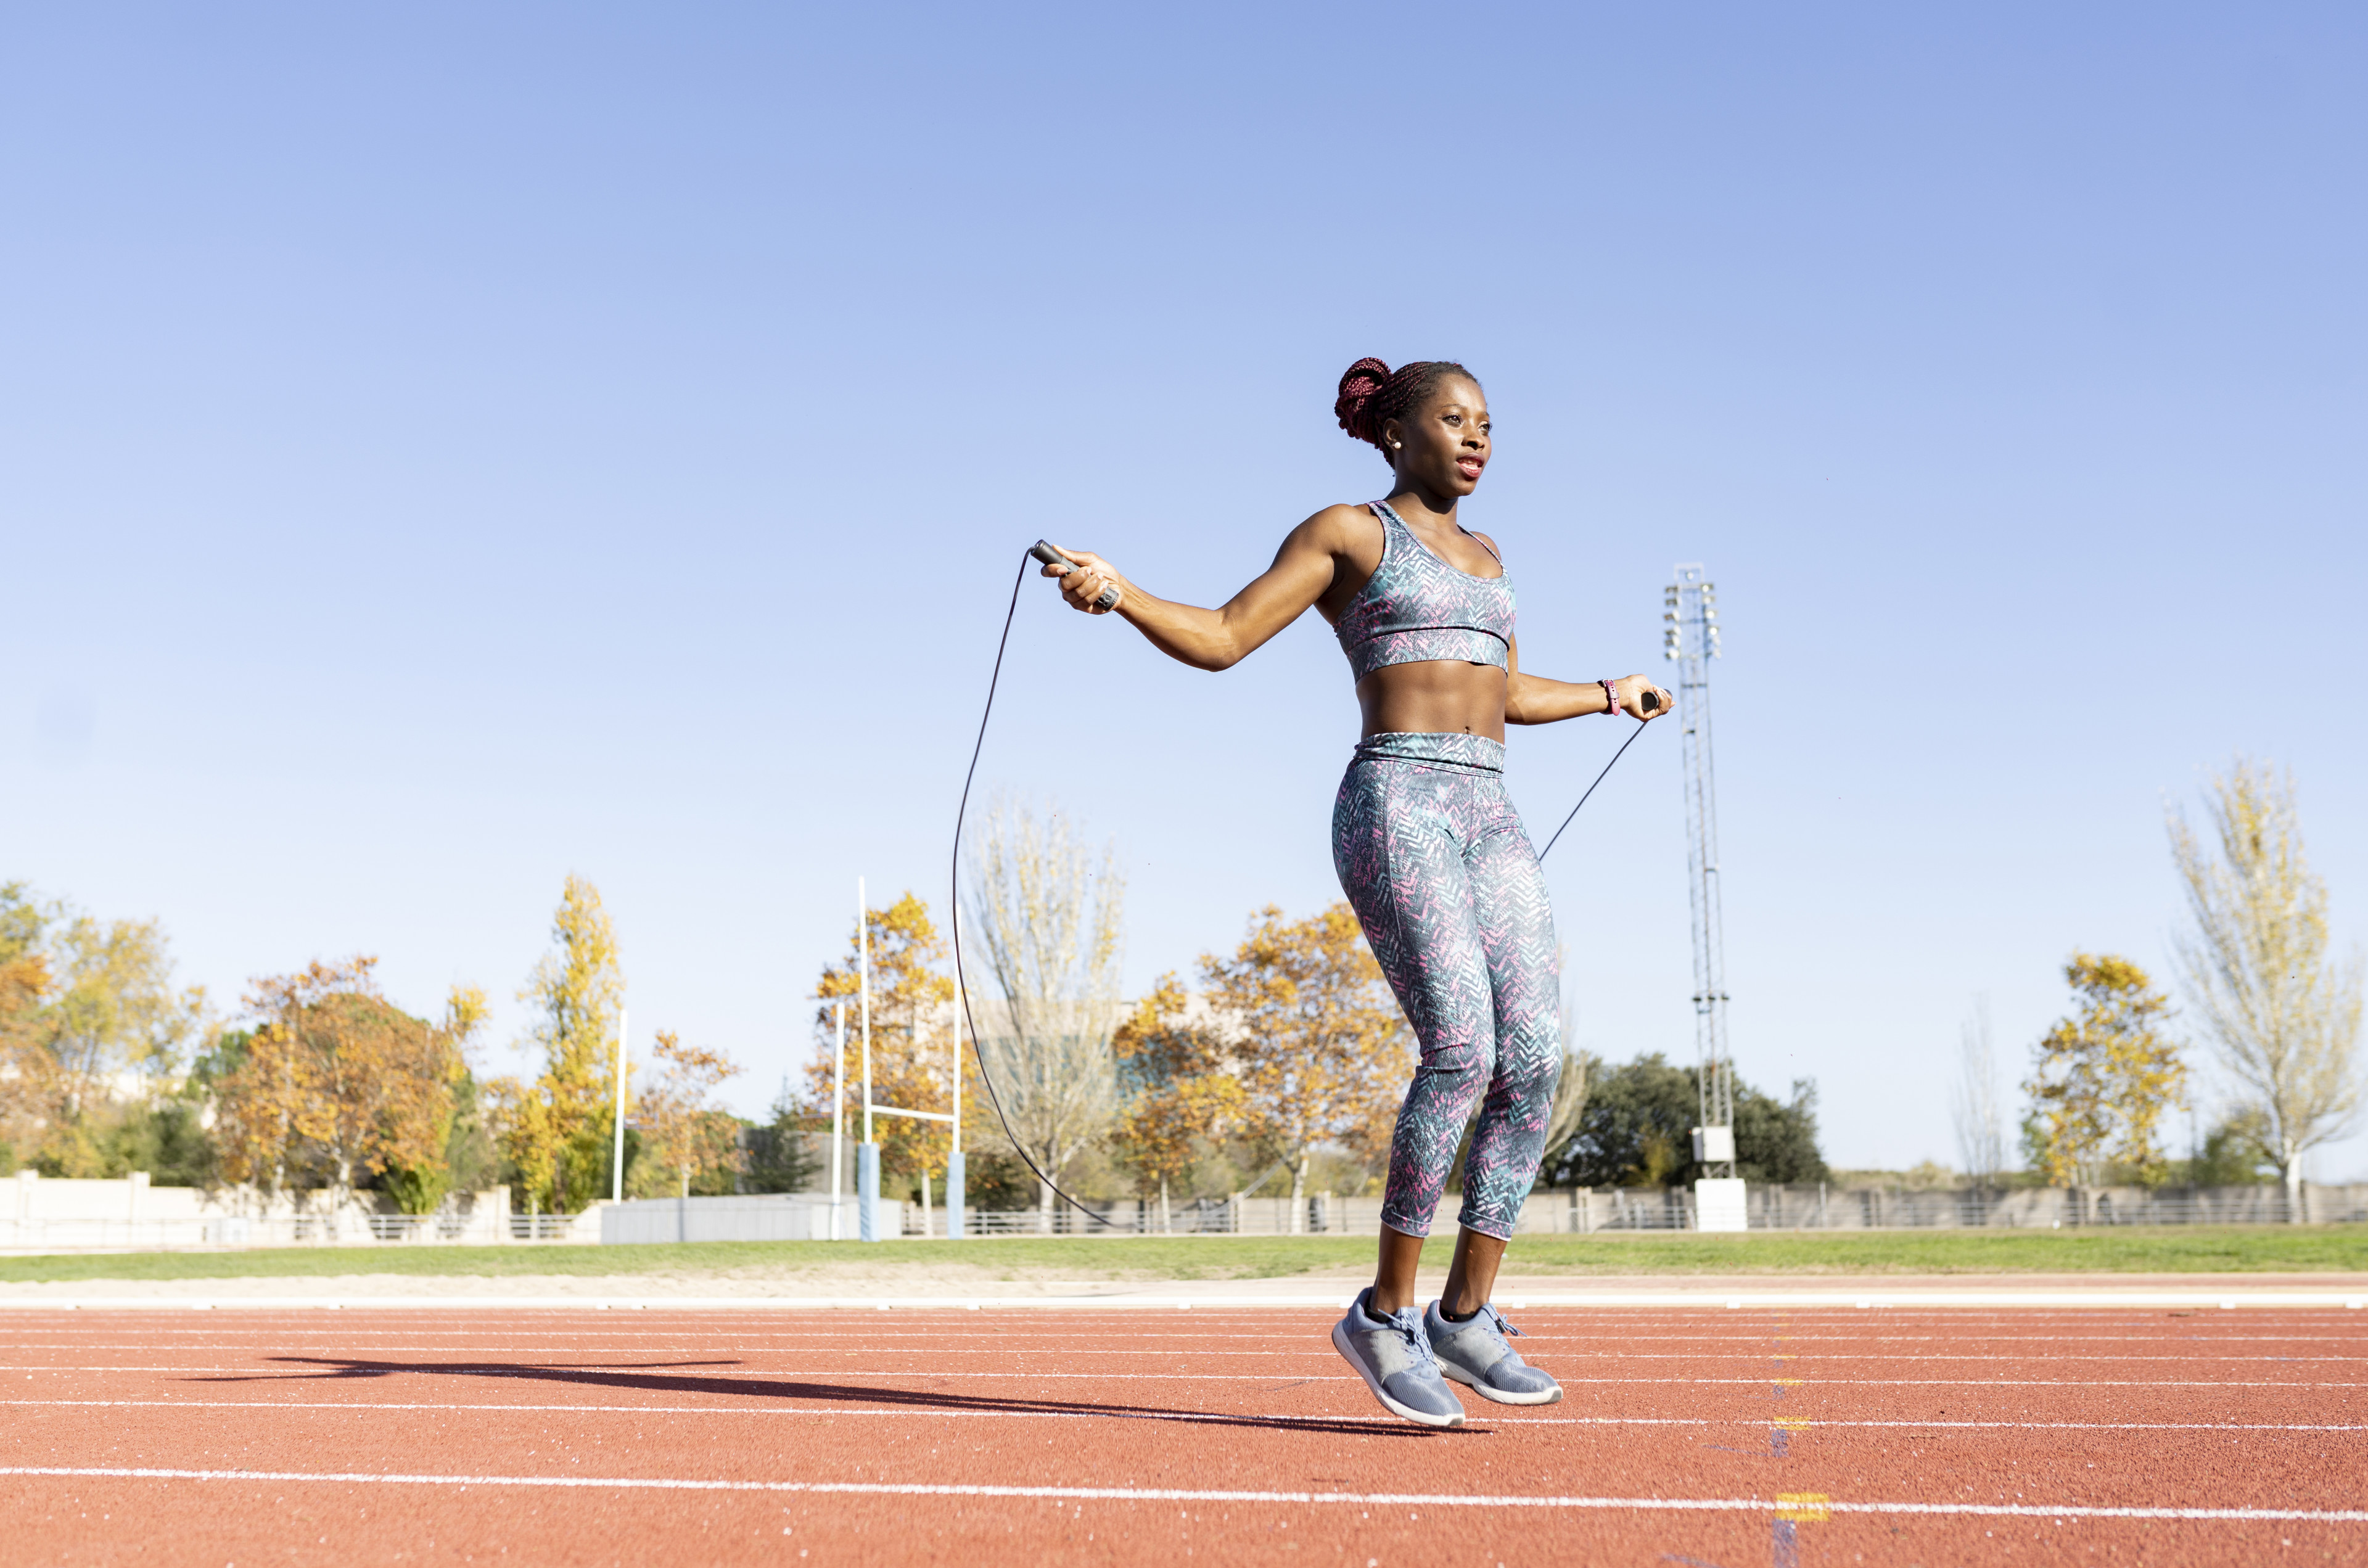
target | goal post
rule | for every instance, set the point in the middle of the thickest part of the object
(867, 1160)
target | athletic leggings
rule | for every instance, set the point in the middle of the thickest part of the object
(1443, 880)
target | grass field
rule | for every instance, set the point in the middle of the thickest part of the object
(2170, 1250)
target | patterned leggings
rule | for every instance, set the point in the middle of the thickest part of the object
(1443, 880)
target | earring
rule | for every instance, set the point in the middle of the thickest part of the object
(1394, 446)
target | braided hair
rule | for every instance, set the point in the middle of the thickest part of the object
(1371, 394)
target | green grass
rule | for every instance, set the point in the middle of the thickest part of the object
(2169, 1250)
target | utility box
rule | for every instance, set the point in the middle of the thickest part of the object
(1719, 1203)
(1713, 1146)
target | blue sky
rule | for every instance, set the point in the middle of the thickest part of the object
(445, 447)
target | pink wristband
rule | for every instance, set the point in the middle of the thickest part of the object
(1611, 697)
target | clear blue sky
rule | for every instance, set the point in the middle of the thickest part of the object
(446, 447)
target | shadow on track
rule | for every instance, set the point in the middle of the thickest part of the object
(658, 1377)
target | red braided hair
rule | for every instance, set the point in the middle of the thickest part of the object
(1371, 394)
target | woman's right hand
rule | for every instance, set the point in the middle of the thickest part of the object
(1083, 581)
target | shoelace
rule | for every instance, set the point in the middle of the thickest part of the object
(1505, 1330)
(1408, 1322)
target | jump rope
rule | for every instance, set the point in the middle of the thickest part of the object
(1108, 599)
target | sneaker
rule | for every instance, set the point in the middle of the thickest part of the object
(1393, 1357)
(1475, 1354)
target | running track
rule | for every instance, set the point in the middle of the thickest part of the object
(1704, 1436)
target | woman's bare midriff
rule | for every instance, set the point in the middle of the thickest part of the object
(1434, 697)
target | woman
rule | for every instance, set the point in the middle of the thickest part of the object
(1429, 849)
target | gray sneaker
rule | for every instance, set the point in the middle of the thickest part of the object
(1395, 1360)
(1475, 1354)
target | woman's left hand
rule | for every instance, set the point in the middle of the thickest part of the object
(1631, 691)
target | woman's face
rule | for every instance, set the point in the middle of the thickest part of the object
(1442, 446)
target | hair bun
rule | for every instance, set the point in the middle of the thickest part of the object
(1358, 386)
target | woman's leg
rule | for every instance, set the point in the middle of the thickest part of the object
(1393, 1285)
(1472, 1276)
(1516, 928)
(1466, 1334)
(1401, 857)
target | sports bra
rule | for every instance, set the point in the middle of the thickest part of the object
(1417, 606)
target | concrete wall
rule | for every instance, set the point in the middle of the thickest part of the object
(40, 1214)
(756, 1217)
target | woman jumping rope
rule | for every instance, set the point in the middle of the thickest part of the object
(1429, 849)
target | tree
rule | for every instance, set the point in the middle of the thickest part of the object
(462, 1157)
(27, 1069)
(2282, 1014)
(781, 1154)
(114, 1011)
(558, 1130)
(1048, 925)
(2235, 1153)
(91, 1029)
(915, 1051)
(2102, 1079)
(1177, 1091)
(1318, 1043)
(683, 1130)
(1974, 1103)
(335, 1082)
(1571, 1085)
(524, 1125)
(1637, 1131)
(1569, 1111)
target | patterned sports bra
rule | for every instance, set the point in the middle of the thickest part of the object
(1417, 606)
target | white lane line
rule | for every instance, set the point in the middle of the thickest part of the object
(1167, 1494)
(1751, 1421)
(251, 1373)
(347, 1350)
(1842, 1303)
(215, 1336)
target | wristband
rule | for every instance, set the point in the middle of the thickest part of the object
(1611, 697)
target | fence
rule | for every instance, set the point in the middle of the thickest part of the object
(81, 1216)
(1824, 1208)
(1770, 1208)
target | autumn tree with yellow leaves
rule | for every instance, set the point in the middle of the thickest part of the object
(27, 1069)
(1318, 1042)
(334, 1084)
(558, 1128)
(2103, 1078)
(463, 1156)
(92, 1028)
(687, 1141)
(1179, 1093)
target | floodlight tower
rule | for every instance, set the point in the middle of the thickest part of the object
(1690, 636)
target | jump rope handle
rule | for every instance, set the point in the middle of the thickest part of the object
(1051, 557)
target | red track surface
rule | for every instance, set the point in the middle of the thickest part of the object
(1135, 1436)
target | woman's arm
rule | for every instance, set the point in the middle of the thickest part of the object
(1218, 638)
(1534, 699)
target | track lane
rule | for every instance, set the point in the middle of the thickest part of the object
(1734, 1441)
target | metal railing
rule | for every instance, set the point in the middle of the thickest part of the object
(1770, 1207)
(1823, 1207)
(1326, 1213)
